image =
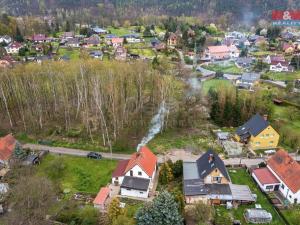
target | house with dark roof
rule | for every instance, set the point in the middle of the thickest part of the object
(257, 133)
(248, 80)
(207, 180)
(135, 176)
(281, 174)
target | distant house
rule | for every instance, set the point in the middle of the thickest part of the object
(5, 39)
(68, 35)
(100, 201)
(244, 61)
(98, 30)
(117, 42)
(206, 73)
(207, 180)
(172, 40)
(281, 174)
(132, 38)
(281, 67)
(120, 53)
(257, 133)
(39, 38)
(248, 80)
(234, 51)
(288, 48)
(217, 53)
(135, 176)
(97, 54)
(93, 40)
(73, 42)
(13, 48)
(274, 58)
(7, 148)
(160, 47)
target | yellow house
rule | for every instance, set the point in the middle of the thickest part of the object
(258, 133)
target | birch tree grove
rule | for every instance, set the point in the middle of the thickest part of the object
(99, 99)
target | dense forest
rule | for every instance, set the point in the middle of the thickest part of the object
(86, 98)
(246, 11)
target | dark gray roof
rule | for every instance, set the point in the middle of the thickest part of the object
(136, 183)
(197, 187)
(205, 166)
(250, 77)
(253, 126)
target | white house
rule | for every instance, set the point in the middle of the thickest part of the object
(234, 51)
(283, 174)
(13, 48)
(6, 39)
(281, 67)
(135, 176)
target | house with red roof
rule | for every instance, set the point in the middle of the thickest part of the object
(39, 38)
(281, 174)
(13, 48)
(219, 52)
(7, 148)
(116, 42)
(135, 176)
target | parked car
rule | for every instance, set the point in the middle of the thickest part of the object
(94, 155)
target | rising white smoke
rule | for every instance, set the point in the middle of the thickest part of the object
(156, 125)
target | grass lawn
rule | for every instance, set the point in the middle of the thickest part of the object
(173, 139)
(147, 52)
(261, 53)
(292, 215)
(80, 174)
(224, 68)
(215, 83)
(240, 176)
(284, 76)
(72, 53)
(121, 30)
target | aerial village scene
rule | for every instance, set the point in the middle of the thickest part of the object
(145, 112)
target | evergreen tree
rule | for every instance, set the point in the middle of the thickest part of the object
(68, 26)
(19, 153)
(114, 210)
(18, 36)
(162, 211)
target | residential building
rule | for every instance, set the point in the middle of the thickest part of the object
(248, 80)
(73, 42)
(135, 176)
(68, 35)
(132, 38)
(120, 53)
(5, 39)
(97, 54)
(172, 40)
(217, 53)
(257, 133)
(281, 174)
(39, 38)
(274, 58)
(117, 42)
(234, 51)
(13, 48)
(281, 67)
(244, 62)
(7, 148)
(93, 40)
(98, 30)
(207, 180)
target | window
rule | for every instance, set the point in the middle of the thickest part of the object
(282, 186)
(257, 143)
(141, 192)
(269, 187)
(131, 173)
(267, 135)
(217, 179)
(140, 173)
(128, 189)
(271, 142)
(290, 196)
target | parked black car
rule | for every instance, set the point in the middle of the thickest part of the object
(94, 155)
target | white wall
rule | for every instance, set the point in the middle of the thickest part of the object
(263, 187)
(120, 180)
(134, 193)
(286, 192)
(136, 169)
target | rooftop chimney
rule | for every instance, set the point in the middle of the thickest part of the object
(210, 158)
(265, 117)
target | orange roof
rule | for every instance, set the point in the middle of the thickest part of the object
(265, 176)
(145, 159)
(218, 49)
(101, 196)
(7, 146)
(117, 40)
(287, 169)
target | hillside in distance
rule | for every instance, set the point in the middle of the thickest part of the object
(241, 9)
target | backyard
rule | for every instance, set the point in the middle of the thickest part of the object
(77, 174)
(215, 83)
(283, 76)
(240, 176)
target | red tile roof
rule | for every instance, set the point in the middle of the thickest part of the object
(120, 169)
(101, 196)
(7, 146)
(286, 168)
(145, 159)
(218, 49)
(265, 176)
(117, 40)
